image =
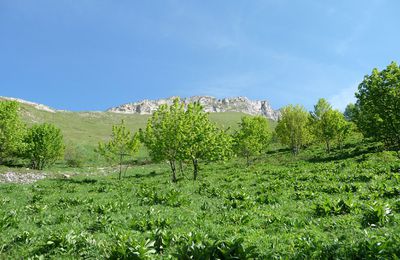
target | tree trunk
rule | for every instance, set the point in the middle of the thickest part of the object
(173, 169)
(120, 166)
(181, 167)
(195, 168)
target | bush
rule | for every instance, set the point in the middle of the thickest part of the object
(74, 155)
(44, 145)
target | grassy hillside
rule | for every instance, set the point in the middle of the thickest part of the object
(90, 127)
(316, 206)
(86, 129)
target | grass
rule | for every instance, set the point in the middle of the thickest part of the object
(342, 205)
(86, 129)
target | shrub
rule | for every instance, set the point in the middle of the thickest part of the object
(44, 145)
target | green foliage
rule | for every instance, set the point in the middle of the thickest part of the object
(377, 215)
(253, 137)
(312, 206)
(292, 129)
(202, 139)
(44, 145)
(122, 144)
(74, 155)
(378, 106)
(12, 129)
(328, 125)
(176, 135)
(164, 134)
(350, 112)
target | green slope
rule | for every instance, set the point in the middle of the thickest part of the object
(88, 128)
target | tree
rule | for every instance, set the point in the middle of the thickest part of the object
(344, 128)
(321, 108)
(328, 125)
(44, 145)
(11, 129)
(378, 106)
(292, 128)
(350, 112)
(322, 121)
(163, 136)
(175, 135)
(253, 136)
(122, 144)
(202, 139)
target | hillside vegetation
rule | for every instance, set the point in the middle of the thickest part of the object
(86, 129)
(319, 184)
(312, 206)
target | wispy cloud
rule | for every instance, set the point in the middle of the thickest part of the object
(228, 85)
(344, 97)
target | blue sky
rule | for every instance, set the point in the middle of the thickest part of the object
(94, 54)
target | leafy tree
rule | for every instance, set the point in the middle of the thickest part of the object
(350, 112)
(253, 136)
(11, 129)
(176, 135)
(163, 136)
(292, 128)
(122, 144)
(44, 145)
(321, 108)
(378, 106)
(202, 139)
(343, 128)
(328, 124)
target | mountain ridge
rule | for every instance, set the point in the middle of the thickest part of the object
(211, 104)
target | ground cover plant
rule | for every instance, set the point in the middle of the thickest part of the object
(315, 205)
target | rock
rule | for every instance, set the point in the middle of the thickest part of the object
(210, 104)
(13, 177)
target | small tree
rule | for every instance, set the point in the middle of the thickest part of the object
(344, 129)
(378, 106)
(328, 125)
(163, 136)
(253, 136)
(176, 135)
(122, 144)
(292, 128)
(202, 139)
(44, 145)
(350, 112)
(11, 129)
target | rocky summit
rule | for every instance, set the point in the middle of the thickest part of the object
(210, 104)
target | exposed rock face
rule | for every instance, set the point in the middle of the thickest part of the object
(210, 104)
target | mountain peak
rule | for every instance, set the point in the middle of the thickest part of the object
(211, 104)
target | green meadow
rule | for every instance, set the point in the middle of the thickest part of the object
(342, 205)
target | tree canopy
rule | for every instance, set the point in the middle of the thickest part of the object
(123, 143)
(378, 106)
(292, 129)
(44, 145)
(328, 125)
(11, 129)
(253, 136)
(175, 135)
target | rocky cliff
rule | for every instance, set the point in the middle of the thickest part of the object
(210, 104)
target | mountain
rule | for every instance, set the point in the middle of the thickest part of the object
(210, 104)
(32, 104)
(86, 129)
